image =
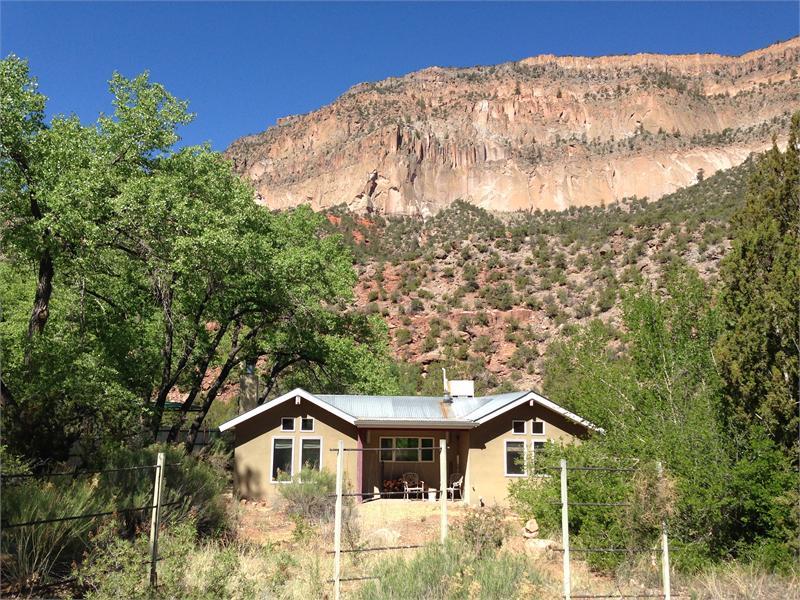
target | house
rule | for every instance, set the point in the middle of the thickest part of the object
(485, 438)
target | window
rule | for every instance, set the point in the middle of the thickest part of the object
(307, 424)
(536, 447)
(287, 424)
(406, 449)
(515, 458)
(518, 426)
(426, 454)
(311, 453)
(282, 451)
(537, 427)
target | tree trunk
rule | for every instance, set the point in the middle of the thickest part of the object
(166, 355)
(191, 437)
(197, 383)
(6, 397)
(232, 360)
(41, 302)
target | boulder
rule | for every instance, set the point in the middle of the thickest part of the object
(531, 529)
(539, 547)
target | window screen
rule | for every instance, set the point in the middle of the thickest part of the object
(282, 459)
(310, 453)
(515, 458)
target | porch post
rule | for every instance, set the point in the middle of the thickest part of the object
(443, 486)
(360, 466)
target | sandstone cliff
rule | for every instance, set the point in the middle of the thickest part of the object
(545, 132)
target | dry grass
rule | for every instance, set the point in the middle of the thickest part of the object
(742, 582)
(265, 529)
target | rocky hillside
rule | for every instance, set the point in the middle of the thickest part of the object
(543, 133)
(485, 294)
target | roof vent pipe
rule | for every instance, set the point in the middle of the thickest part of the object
(446, 384)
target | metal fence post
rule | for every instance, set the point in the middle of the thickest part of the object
(443, 487)
(565, 529)
(664, 545)
(155, 518)
(337, 529)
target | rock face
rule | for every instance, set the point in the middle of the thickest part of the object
(542, 133)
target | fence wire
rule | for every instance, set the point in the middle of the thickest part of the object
(90, 515)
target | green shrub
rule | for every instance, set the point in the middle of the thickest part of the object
(452, 571)
(198, 482)
(482, 344)
(310, 495)
(483, 530)
(43, 551)
(523, 357)
(37, 554)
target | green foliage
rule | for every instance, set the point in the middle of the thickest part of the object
(661, 400)
(153, 272)
(453, 572)
(483, 530)
(36, 554)
(310, 495)
(197, 483)
(759, 350)
(402, 336)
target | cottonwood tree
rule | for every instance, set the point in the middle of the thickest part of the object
(658, 396)
(160, 277)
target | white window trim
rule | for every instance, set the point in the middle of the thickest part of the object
(292, 419)
(544, 427)
(272, 458)
(300, 451)
(524, 427)
(313, 424)
(524, 458)
(419, 449)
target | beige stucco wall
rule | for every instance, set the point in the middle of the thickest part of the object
(479, 454)
(486, 474)
(253, 446)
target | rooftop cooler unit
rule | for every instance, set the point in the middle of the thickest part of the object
(461, 388)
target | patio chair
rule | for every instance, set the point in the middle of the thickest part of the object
(454, 484)
(412, 485)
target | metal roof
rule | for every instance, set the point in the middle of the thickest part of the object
(406, 410)
(388, 407)
(418, 408)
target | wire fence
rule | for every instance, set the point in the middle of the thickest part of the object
(411, 491)
(564, 469)
(155, 508)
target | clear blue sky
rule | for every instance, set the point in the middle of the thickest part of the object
(242, 65)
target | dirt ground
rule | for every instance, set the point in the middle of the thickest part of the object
(406, 522)
(416, 521)
(394, 522)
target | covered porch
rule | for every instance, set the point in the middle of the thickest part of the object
(389, 455)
